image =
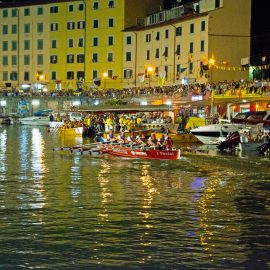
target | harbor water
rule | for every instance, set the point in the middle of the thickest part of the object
(60, 210)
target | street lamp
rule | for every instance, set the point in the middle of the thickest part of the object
(211, 65)
(149, 72)
(105, 76)
(263, 62)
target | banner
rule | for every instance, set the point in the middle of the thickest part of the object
(23, 107)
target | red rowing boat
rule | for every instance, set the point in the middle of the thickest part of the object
(127, 152)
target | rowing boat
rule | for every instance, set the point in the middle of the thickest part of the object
(123, 150)
(146, 153)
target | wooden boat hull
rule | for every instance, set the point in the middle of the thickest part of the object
(143, 153)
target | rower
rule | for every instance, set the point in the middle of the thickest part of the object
(168, 143)
(161, 141)
(152, 141)
(110, 136)
(122, 138)
(132, 138)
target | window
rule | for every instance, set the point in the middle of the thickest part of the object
(178, 69)
(26, 60)
(128, 40)
(110, 57)
(217, 3)
(95, 41)
(70, 58)
(13, 76)
(26, 76)
(40, 27)
(53, 59)
(70, 25)
(128, 73)
(71, 8)
(54, 44)
(95, 23)
(191, 47)
(81, 25)
(167, 33)
(190, 68)
(40, 59)
(27, 12)
(27, 28)
(5, 13)
(5, 76)
(70, 75)
(128, 56)
(95, 5)
(178, 31)
(14, 28)
(110, 73)
(54, 9)
(80, 42)
(94, 74)
(110, 40)
(27, 44)
(111, 22)
(203, 26)
(54, 26)
(111, 4)
(202, 45)
(166, 52)
(166, 69)
(5, 29)
(40, 11)
(81, 7)
(191, 30)
(148, 55)
(14, 12)
(158, 36)
(5, 46)
(80, 75)
(14, 45)
(157, 53)
(5, 60)
(178, 49)
(53, 75)
(95, 57)
(40, 44)
(70, 43)
(148, 38)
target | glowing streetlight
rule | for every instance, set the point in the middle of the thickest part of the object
(212, 62)
(105, 76)
(150, 73)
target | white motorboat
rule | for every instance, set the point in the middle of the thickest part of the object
(215, 133)
(40, 118)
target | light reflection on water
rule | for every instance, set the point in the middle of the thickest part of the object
(65, 211)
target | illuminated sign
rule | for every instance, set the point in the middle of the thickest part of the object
(197, 97)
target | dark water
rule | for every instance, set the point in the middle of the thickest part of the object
(65, 211)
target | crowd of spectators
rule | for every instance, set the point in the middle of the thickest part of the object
(182, 90)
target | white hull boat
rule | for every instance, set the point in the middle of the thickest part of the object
(214, 133)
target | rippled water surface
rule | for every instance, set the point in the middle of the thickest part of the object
(65, 211)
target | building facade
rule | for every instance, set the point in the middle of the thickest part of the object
(60, 44)
(203, 41)
(66, 44)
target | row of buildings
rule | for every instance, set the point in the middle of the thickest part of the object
(61, 44)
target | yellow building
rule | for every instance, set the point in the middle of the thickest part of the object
(64, 44)
(200, 42)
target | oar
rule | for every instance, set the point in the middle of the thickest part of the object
(93, 152)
